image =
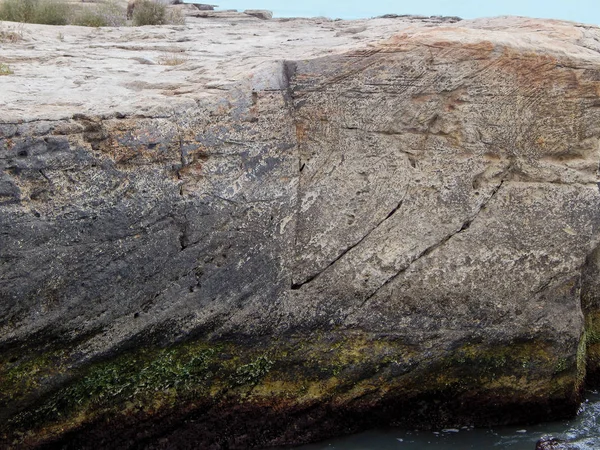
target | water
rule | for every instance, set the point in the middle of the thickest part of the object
(582, 432)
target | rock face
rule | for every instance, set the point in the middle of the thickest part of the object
(550, 443)
(274, 249)
(259, 13)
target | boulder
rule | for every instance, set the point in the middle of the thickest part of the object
(551, 443)
(259, 13)
(204, 7)
(276, 243)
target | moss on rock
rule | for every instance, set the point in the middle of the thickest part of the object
(592, 342)
(344, 372)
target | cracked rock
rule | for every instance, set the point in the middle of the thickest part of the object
(297, 236)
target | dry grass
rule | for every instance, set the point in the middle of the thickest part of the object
(175, 17)
(5, 70)
(47, 12)
(102, 13)
(11, 33)
(149, 12)
(107, 13)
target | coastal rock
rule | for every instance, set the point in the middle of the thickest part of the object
(299, 230)
(550, 443)
(259, 13)
(204, 7)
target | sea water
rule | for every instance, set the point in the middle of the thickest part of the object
(582, 432)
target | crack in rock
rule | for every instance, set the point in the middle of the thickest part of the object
(465, 226)
(296, 286)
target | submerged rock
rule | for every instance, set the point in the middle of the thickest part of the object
(307, 233)
(550, 443)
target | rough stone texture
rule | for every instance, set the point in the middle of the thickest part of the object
(259, 13)
(204, 7)
(550, 443)
(298, 234)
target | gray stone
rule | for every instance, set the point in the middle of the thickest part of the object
(259, 13)
(551, 443)
(284, 242)
(204, 7)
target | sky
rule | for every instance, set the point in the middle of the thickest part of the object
(586, 11)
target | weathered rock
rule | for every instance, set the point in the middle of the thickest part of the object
(204, 7)
(551, 443)
(259, 13)
(246, 250)
(436, 19)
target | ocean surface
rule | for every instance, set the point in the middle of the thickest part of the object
(582, 432)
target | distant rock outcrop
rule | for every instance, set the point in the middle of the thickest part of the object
(203, 6)
(259, 13)
(298, 228)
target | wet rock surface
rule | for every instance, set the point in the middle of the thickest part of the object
(277, 240)
(550, 443)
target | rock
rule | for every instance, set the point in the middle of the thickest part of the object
(297, 239)
(260, 13)
(435, 19)
(351, 30)
(551, 443)
(204, 7)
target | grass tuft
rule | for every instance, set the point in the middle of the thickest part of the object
(11, 34)
(148, 12)
(106, 14)
(5, 70)
(51, 12)
(47, 12)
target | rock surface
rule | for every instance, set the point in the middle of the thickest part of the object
(302, 228)
(550, 443)
(259, 13)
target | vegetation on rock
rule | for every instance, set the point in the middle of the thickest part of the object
(5, 69)
(340, 371)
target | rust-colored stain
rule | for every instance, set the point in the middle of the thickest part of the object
(129, 143)
(301, 131)
(193, 170)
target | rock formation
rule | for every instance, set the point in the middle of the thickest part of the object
(305, 228)
(259, 13)
(550, 443)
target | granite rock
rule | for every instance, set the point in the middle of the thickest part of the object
(301, 230)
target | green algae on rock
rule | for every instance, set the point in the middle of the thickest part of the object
(341, 374)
